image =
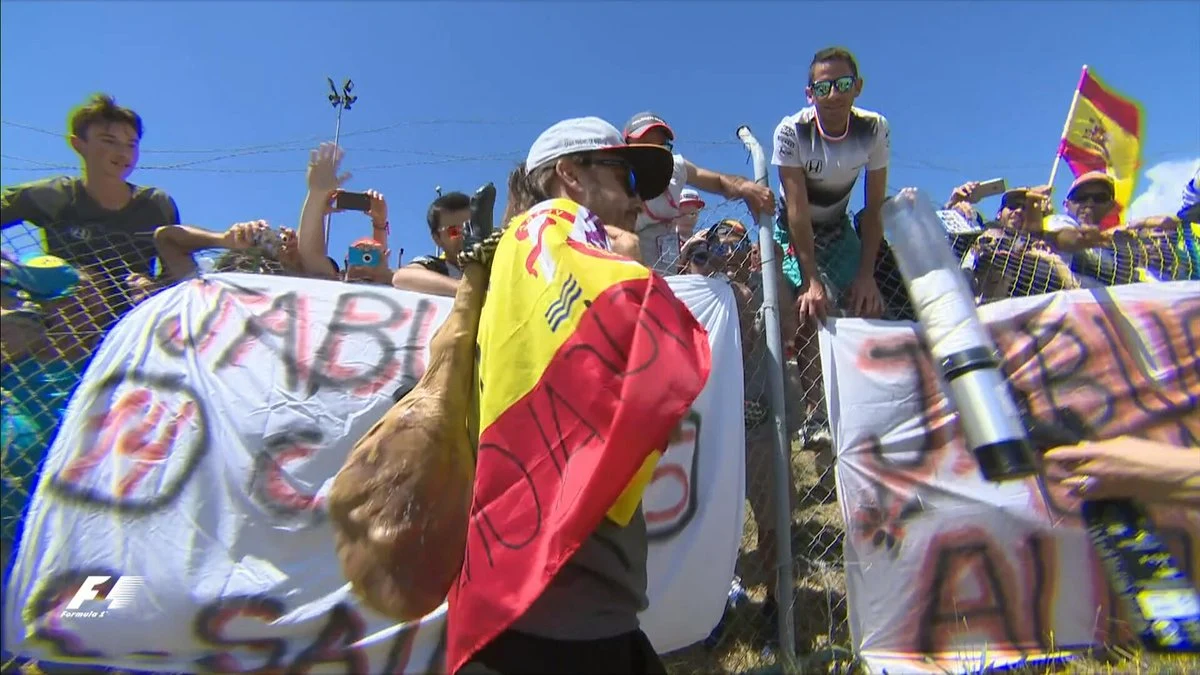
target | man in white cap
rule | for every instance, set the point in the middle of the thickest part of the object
(585, 620)
(690, 206)
(659, 212)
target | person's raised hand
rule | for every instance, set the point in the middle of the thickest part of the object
(963, 193)
(323, 166)
(378, 211)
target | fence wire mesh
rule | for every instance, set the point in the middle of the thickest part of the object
(999, 264)
(49, 337)
(48, 342)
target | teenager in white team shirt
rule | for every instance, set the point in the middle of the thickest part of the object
(820, 152)
(655, 223)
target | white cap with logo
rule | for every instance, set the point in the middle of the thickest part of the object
(690, 196)
(652, 165)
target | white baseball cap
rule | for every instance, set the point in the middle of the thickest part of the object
(690, 196)
(652, 165)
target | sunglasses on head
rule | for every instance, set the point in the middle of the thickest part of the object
(825, 87)
(620, 164)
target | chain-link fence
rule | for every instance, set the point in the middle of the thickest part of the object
(54, 317)
(999, 263)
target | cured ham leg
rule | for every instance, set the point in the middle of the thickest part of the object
(401, 503)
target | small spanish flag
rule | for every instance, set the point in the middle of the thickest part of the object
(1104, 133)
(587, 363)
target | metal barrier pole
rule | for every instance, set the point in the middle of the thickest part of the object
(785, 580)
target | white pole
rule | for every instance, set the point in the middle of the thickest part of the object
(1066, 129)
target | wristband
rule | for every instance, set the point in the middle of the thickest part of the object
(386, 227)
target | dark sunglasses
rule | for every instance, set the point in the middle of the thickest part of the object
(1090, 198)
(622, 165)
(825, 87)
(1013, 203)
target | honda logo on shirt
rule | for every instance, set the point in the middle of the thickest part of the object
(814, 166)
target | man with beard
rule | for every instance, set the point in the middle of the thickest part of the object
(585, 619)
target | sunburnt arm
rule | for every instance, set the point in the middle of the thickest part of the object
(420, 280)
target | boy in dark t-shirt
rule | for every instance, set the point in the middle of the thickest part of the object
(99, 220)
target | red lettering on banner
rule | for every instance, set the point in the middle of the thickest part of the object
(126, 431)
(961, 557)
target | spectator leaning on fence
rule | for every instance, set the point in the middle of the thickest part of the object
(439, 274)
(659, 239)
(586, 620)
(725, 249)
(690, 206)
(1015, 256)
(98, 222)
(820, 152)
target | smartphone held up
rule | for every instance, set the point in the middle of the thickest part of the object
(352, 201)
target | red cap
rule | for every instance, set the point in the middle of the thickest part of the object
(1092, 177)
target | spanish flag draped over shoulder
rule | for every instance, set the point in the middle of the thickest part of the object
(1104, 133)
(587, 362)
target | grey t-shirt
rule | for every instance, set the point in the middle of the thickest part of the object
(83, 232)
(598, 593)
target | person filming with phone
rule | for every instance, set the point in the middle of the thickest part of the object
(325, 196)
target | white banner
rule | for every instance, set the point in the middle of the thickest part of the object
(180, 524)
(947, 572)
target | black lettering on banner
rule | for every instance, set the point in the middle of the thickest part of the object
(335, 643)
(347, 321)
(400, 653)
(169, 331)
(44, 612)
(1166, 409)
(401, 650)
(942, 609)
(286, 320)
(67, 484)
(419, 336)
(210, 629)
(1185, 363)
(271, 483)
(910, 356)
(1042, 565)
(680, 464)
(1050, 342)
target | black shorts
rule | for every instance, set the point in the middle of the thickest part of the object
(513, 652)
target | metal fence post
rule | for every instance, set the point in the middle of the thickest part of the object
(784, 587)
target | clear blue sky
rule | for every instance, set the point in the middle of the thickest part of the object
(453, 93)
